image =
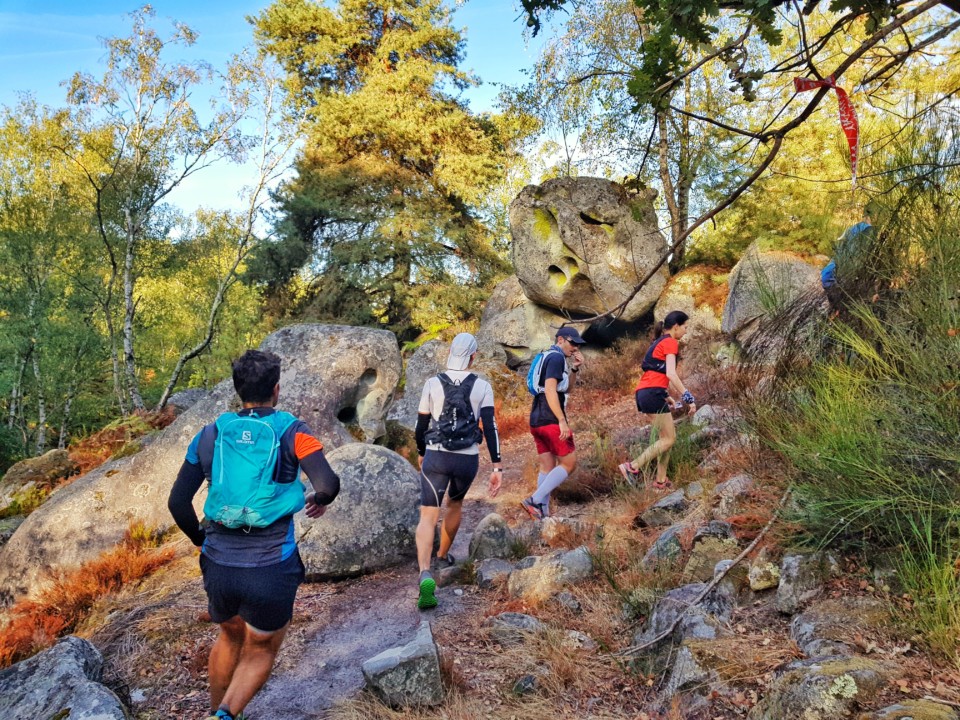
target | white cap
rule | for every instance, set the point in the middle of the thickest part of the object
(463, 346)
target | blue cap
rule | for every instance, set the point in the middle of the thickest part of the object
(571, 334)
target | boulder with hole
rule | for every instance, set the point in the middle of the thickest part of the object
(581, 245)
(338, 379)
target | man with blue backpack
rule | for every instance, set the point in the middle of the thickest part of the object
(552, 375)
(448, 438)
(248, 555)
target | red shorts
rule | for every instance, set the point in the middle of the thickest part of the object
(547, 439)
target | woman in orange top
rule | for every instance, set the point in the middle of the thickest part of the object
(659, 377)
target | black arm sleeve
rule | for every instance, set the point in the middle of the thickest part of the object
(180, 502)
(326, 483)
(423, 422)
(490, 433)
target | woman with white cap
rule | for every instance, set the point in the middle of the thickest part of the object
(448, 437)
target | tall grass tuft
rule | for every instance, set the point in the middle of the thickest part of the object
(871, 418)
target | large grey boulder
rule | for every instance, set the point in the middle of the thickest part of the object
(407, 676)
(513, 328)
(700, 291)
(762, 284)
(61, 682)
(331, 375)
(581, 245)
(186, 399)
(372, 522)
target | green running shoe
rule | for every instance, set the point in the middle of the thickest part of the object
(427, 599)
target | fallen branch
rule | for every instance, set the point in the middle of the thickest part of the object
(932, 698)
(634, 649)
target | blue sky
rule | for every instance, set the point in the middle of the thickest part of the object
(43, 42)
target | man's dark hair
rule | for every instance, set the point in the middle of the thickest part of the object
(255, 374)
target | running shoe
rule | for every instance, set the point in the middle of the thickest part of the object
(629, 474)
(665, 484)
(427, 599)
(534, 510)
(445, 562)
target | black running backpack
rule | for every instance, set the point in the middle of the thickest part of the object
(457, 427)
(650, 363)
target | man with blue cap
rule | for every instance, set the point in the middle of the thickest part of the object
(448, 437)
(548, 420)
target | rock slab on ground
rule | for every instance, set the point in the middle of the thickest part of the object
(492, 538)
(407, 676)
(371, 524)
(61, 682)
(546, 576)
(511, 628)
(820, 689)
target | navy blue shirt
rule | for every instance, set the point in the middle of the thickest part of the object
(554, 366)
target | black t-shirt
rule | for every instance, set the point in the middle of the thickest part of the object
(555, 366)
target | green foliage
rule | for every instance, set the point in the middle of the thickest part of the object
(25, 501)
(385, 207)
(873, 425)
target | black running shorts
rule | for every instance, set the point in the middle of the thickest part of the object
(442, 470)
(262, 596)
(652, 401)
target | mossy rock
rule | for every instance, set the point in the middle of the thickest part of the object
(820, 689)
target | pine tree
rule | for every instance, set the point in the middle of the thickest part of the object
(385, 205)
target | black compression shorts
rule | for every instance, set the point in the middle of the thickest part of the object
(652, 401)
(440, 470)
(262, 596)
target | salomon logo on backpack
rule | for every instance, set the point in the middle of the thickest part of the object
(457, 427)
(244, 492)
(536, 379)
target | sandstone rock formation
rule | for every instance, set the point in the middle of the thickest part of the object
(514, 328)
(61, 682)
(334, 377)
(580, 245)
(42, 470)
(371, 524)
(761, 284)
(700, 292)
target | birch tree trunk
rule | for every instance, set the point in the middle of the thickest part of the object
(129, 305)
(41, 407)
